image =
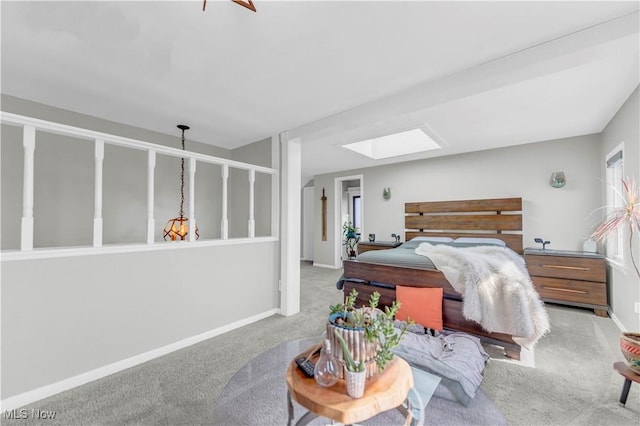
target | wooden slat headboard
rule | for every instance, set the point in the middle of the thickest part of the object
(467, 218)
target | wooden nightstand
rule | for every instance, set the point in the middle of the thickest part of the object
(378, 245)
(569, 277)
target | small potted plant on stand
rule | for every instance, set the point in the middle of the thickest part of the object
(354, 373)
(369, 332)
(352, 237)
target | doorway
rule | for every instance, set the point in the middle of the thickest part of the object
(348, 207)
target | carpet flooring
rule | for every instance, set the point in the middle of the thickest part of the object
(256, 396)
(568, 379)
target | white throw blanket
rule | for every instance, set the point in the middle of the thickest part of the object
(496, 287)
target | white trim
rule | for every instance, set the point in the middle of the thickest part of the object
(48, 253)
(100, 372)
(337, 201)
(322, 265)
(80, 133)
(617, 322)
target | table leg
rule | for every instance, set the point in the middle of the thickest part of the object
(289, 408)
(306, 419)
(625, 391)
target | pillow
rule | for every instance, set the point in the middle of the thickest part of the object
(422, 305)
(433, 239)
(479, 240)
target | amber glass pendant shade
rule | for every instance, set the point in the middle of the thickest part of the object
(177, 229)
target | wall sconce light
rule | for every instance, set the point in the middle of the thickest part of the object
(386, 193)
(558, 180)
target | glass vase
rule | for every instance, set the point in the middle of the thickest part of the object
(326, 369)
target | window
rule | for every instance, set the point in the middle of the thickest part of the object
(615, 174)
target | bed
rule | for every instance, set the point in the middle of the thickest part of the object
(499, 219)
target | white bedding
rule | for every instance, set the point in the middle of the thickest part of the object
(496, 288)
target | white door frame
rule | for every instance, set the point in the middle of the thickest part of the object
(337, 201)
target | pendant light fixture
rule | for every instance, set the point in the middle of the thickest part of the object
(178, 227)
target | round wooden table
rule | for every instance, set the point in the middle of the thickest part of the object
(382, 392)
(629, 376)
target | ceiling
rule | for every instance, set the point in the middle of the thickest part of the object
(474, 75)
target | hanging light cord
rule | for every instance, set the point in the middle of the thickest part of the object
(182, 181)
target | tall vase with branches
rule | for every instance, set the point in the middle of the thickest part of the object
(626, 216)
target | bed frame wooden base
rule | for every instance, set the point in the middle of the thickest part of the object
(451, 305)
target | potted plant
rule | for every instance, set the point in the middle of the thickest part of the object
(369, 332)
(628, 215)
(352, 237)
(354, 372)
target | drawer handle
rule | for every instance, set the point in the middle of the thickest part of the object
(575, 268)
(566, 290)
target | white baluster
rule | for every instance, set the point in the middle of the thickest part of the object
(252, 222)
(151, 223)
(97, 197)
(225, 222)
(29, 146)
(192, 199)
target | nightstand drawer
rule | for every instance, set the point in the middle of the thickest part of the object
(587, 292)
(573, 268)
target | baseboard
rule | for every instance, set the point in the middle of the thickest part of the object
(98, 373)
(617, 322)
(320, 265)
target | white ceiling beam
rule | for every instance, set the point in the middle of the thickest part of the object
(553, 56)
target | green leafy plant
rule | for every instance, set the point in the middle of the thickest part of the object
(351, 236)
(378, 325)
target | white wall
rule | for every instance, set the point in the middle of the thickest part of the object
(624, 283)
(559, 215)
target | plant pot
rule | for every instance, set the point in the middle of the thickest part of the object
(630, 347)
(355, 381)
(361, 350)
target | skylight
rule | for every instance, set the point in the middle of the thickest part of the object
(394, 145)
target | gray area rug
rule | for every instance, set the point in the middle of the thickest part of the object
(256, 395)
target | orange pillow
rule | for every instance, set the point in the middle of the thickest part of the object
(422, 304)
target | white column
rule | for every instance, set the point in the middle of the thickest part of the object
(275, 186)
(224, 231)
(192, 199)
(252, 222)
(97, 194)
(291, 169)
(29, 146)
(151, 223)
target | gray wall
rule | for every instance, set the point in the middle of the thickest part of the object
(258, 153)
(62, 317)
(559, 215)
(625, 284)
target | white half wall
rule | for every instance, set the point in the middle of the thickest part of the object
(67, 316)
